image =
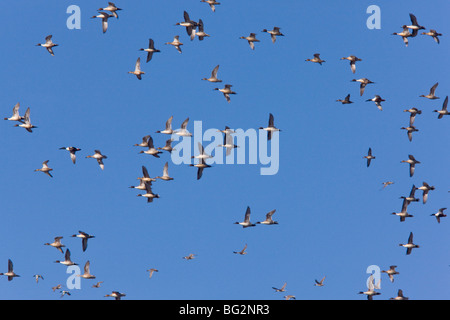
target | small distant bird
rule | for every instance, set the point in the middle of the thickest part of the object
(152, 270)
(87, 274)
(242, 252)
(104, 16)
(213, 77)
(168, 146)
(369, 157)
(274, 33)
(57, 287)
(37, 277)
(212, 4)
(165, 175)
(270, 128)
(72, 151)
(246, 223)
(202, 154)
(282, 289)
(144, 142)
(352, 60)
(346, 100)
(411, 197)
(189, 24)
(65, 292)
(415, 27)
(413, 112)
(399, 296)
(167, 130)
(319, 283)
(316, 59)
(190, 256)
(150, 195)
(151, 148)
(251, 40)
(15, 116)
(183, 132)
(45, 169)
(403, 214)
(111, 8)
(405, 34)
(145, 176)
(443, 111)
(97, 285)
(137, 70)
(363, 83)
(150, 50)
(116, 295)
(434, 34)
(410, 245)
(26, 122)
(371, 289)
(269, 219)
(289, 297)
(440, 214)
(176, 43)
(201, 165)
(391, 272)
(426, 188)
(10, 274)
(431, 95)
(67, 261)
(99, 157)
(412, 164)
(56, 244)
(387, 183)
(377, 99)
(410, 130)
(226, 91)
(84, 238)
(228, 144)
(201, 34)
(48, 44)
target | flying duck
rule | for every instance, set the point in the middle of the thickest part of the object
(212, 4)
(319, 283)
(67, 261)
(371, 289)
(369, 157)
(425, 188)
(26, 122)
(399, 296)
(15, 116)
(149, 193)
(86, 274)
(242, 252)
(150, 50)
(48, 44)
(226, 91)
(246, 223)
(411, 197)
(391, 272)
(363, 83)
(274, 33)
(104, 16)
(346, 100)
(412, 164)
(352, 60)
(431, 95)
(201, 34)
(56, 244)
(443, 111)
(268, 220)
(228, 144)
(403, 214)
(165, 175)
(410, 130)
(434, 34)
(189, 24)
(137, 70)
(99, 157)
(410, 245)
(316, 59)
(282, 289)
(213, 77)
(72, 151)
(176, 43)
(116, 295)
(201, 165)
(45, 169)
(183, 129)
(270, 128)
(168, 146)
(151, 148)
(251, 40)
(440, 214)
(84, 238)
(405, 34)
(415, 27)
(10, 274)
(377, 99)
(168, 129)
(111, 8)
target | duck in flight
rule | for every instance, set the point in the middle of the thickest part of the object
(405, 34)
(440, 214)
(411, 197)
(151, 148)
(269, 219)
(10, 274)
(363, 83)
(353, 60)
(49, 45)
(270, 128)
(443, 112)
(410, 245)
(415, 27)
(228, 144)
(45, 169)
(84, 238)
(426, 188)
(346, 100)
(369, 157)
(104, 16)
(242, 252)
(111, 8)
(403, 214)
(150, 50)
(213, 77)
(165, 175)
(226, 91)
(274, 33)
(377, 99)
(246, 223)
(251, 40)
(168, 129)
(56, 244)
(212, 4)
(99, 157)
(189, 24)
(412, 164)
(434, 34)
(26, 122)
(72, 151)
(16, 116)
(149, 193)
(316, 59)
(137, 70)
(176, 43)
(431, 95)
(391, 272)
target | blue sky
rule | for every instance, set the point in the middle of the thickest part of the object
(334, 219)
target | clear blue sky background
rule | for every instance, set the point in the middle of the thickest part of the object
(334, 219)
